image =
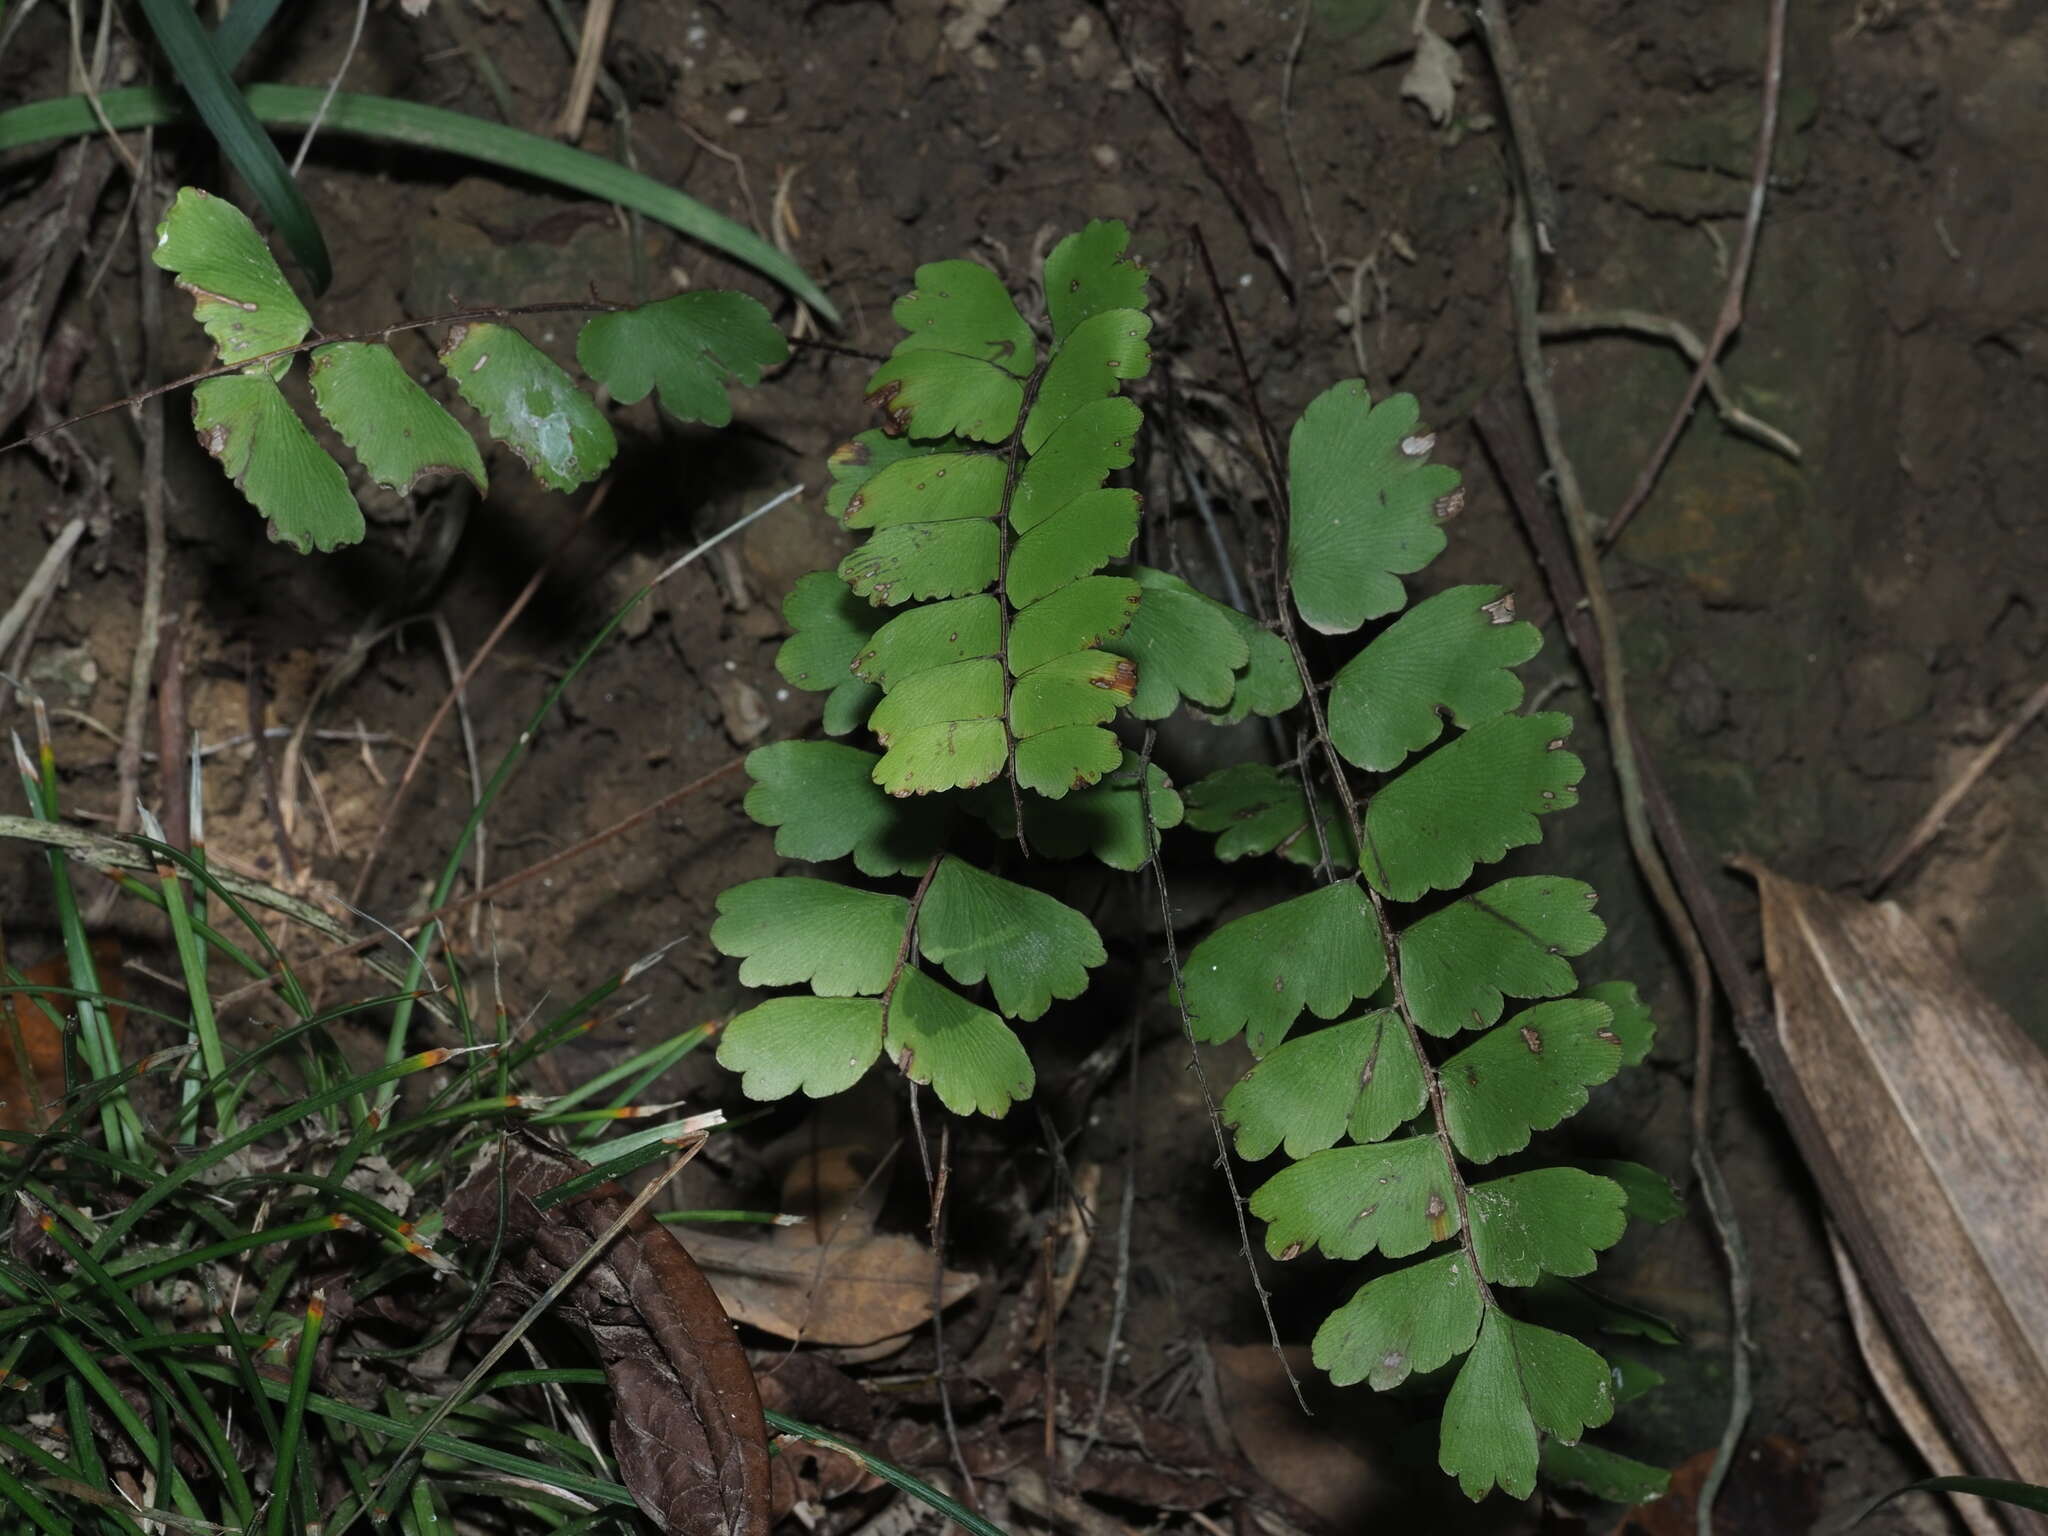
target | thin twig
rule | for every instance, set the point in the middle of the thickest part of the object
(348, 57)
(458, 687)
(1187, 1027)
(41, 583)
(88, 84)
(1679, 334)
(142, 666)
(1642, 840)
(1945, 803)
(1509, 71)
(1738, 278)
(597, 24)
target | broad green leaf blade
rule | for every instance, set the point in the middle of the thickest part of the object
(928, 488)
(1448, 656)
(1256, 973)
(1092, 364)
(935, 635)
(1549, 1221)
(961, 306)
(1415, 1319)
(819, 1044)
(1468, 803)
(232, 122)
(965, 690)
(442, 132)
(687, 346)
(971, 1058)
(392, 425)
(1185, 646)
(794, 931)
(1256, 808)
(1632, 1023)
(1605, 1475)
(1093, 529)
(940, 394)
(924, 560)
(830, 628)
(1361, 1076)
(1028, 946)
(1459, 964)
(1079, 688)
(245, 422)
(847, 707)
(823, 802)
(1650, 1196)
(1367, 508)
(954, 754)
(1519, 1379)
(238, 293)
(1081, 614)
(1091, 444)
(1105, 820)
(529, 403)
(1089, 272)
(853, 464)
(1269, 683)
(1398, 1197)
(1527, 1075)
(1057, 762)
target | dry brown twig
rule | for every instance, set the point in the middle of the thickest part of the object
(1738, 278)
(1582, 322)
(597, 25)
(1945, 803)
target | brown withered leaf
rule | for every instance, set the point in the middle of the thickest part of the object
(686, 1415)
(1154, 39)
(1936, 1098)
(855, 1290)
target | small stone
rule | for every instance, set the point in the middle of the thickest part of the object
(65, 674)
(746, 713)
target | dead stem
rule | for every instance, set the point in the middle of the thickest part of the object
(1738, 276)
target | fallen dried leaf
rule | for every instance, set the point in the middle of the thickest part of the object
(687, 1428)
(1937, 1099)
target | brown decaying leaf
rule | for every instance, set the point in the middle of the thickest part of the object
(1154, 38)
(1937, 1099)
(686, 1416)
(1771, 1491)
(856, 1290)
(32, 1048)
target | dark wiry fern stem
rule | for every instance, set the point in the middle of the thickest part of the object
(1013, 467)
(1276, 485)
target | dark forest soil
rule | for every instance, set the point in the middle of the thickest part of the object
(1815, 648)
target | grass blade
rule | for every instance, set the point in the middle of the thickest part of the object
(293, 1424)
(405, 122)
(237, 34)
(228, 118)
